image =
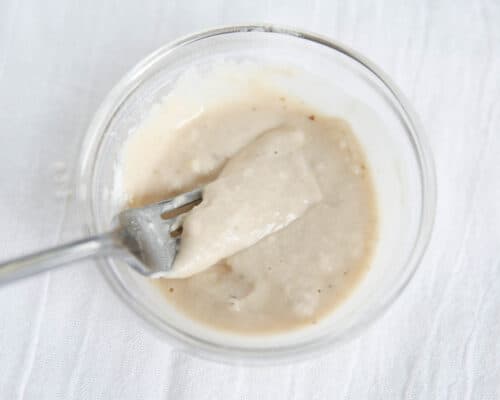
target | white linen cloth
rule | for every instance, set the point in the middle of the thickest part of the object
(65, 335)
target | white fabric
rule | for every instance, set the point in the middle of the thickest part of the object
(64, 335)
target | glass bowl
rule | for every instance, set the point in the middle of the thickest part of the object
(346, 85)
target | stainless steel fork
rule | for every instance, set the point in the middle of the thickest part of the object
(146, 238)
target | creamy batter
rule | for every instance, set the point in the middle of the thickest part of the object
(260, 264)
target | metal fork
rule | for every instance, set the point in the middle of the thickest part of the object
(146, 238)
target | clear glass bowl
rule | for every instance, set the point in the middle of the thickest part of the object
(398, 154)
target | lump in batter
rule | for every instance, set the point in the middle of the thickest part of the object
(238, 209)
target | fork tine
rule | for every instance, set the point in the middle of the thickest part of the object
(178, 201)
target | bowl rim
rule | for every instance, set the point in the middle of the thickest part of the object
(127, 85)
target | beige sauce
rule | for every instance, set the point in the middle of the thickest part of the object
(283, 278)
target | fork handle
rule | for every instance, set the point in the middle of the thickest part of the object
(100, 245)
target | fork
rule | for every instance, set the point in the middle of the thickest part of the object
(146, 238)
